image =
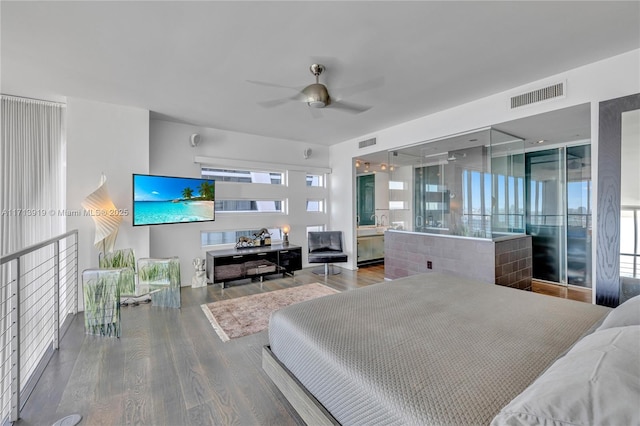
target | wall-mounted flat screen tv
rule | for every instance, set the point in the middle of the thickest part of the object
(166, 199)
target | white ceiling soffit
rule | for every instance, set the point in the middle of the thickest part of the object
(192, 62)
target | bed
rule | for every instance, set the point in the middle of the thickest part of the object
(437, 349)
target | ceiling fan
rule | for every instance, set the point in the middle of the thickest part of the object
(317, 96)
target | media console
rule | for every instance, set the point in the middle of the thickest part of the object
(254, 262)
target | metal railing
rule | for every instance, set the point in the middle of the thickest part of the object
(38, 300)
(630, 225)
(630, 265)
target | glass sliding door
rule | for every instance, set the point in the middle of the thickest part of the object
(579, 215)
(558, 213)
(545, 213)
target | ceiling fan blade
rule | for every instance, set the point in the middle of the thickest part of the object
(315, 112)
(276, 102)
(280, 86)
(349, 107)
(361, 87)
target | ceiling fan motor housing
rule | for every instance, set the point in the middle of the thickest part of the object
(316, 95)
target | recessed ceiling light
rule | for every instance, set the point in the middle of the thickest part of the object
(541, 141)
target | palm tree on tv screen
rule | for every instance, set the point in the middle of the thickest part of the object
(187, 193)
(207, 191)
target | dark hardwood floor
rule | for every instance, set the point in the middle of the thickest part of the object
(170, 368)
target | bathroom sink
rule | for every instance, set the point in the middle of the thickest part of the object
(364, 231)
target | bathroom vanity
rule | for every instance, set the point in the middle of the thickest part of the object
(370, 249)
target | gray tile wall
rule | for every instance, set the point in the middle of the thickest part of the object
(513, 263)
(408, 253)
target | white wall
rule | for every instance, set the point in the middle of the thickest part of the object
(109, 139)
(607, 79)
(630, 182)
(171, 154)
(382, 197)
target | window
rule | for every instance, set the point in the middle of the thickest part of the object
(315, 206)
(315, 180)
(315, 228)
(243, 176)
(396, 185)
(255, 206)
(231, 237)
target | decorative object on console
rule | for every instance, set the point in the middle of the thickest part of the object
(244, 242)
(263, 236)
(285, 235)
(200, 277)
(105, 215)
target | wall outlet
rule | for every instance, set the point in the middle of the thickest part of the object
(429, 264)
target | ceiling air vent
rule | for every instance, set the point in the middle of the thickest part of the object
(550, 92)
(368, 142)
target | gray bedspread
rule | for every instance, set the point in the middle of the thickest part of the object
(426, 349)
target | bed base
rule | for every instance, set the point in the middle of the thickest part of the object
(305, 404)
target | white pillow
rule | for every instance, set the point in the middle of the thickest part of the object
(596, 383)
(627, 313)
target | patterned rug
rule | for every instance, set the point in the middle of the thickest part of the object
(246, 315)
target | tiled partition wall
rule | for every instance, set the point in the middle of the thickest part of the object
(503, 261)
(514, 262)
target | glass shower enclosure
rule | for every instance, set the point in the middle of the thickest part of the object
(483, 184)
(469, 185)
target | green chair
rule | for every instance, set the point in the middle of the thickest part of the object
(101, 289)
(162, 279)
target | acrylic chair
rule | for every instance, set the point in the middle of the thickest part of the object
(161, 279)
(101, 289)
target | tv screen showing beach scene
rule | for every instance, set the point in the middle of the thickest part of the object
(165, 199)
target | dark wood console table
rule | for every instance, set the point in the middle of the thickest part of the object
(254, 262)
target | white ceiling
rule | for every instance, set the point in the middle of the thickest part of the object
(192, 61)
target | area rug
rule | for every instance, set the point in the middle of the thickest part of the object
(246, 315)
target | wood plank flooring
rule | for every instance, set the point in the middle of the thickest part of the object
(170, 368)
(566, 292)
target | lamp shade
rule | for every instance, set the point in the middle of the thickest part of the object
(105, 216)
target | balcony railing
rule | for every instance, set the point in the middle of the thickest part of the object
(630, 252)
(38, 299)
